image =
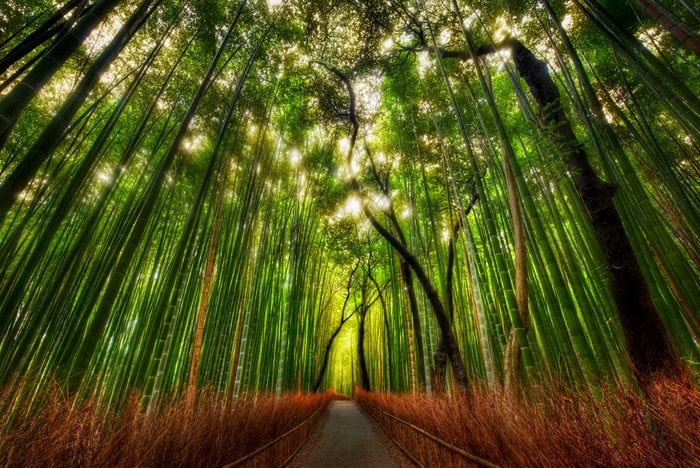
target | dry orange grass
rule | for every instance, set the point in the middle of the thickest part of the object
(213, 435)
(550, 426)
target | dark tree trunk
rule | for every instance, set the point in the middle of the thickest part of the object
(387, 329)
(364, 373)
(407, 278)
(440, 357)
(649, 350)
(326, 356)
(453, 353)
(440, 369)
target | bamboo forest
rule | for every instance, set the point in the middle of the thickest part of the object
(229, 229)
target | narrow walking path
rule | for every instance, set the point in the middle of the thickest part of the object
(348, 439)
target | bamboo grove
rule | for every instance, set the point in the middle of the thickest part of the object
(411, 195)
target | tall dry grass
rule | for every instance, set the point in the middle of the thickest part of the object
(549, 426)
(214, 434)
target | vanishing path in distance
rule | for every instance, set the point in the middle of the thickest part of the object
(348, 439)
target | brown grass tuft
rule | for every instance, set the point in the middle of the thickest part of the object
(214, 434)
(549, 426)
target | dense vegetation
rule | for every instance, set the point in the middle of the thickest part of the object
(298, 195)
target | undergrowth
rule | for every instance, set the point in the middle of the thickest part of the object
(549, 425)
(59, 433)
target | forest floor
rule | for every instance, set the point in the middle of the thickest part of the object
(347, 438)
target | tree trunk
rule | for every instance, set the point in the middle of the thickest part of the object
(206, 293)
(440, 357)
(411, 348)
(387, 329)
(238, 335)
(648, 346)
(364, 373)
(440, 368)
(327, 353)
(511, 369)
(453, 352)
(407, 278)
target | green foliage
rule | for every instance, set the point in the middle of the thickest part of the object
(265, 194)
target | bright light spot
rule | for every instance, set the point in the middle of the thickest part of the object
(103, 177)
(100, 37)
(424, 62)
(353, 206)
(469, 20)
(380, 158)
(344, 145)
(274, 4)
(355, 167)
(608, 115)
(193, 143)
(503, 29)
(106, 77)
(649, 36)
(294, 157)
(445, 235)
(505, 54)
(368, 96)
(567, 21)
(387, 45)
(424, 106)
(406, 213)
(445, 36)
(364, 226)
(381, 202)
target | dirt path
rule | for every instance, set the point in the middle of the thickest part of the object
(348, 439)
